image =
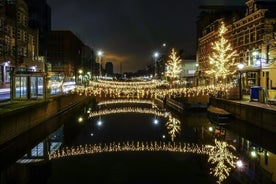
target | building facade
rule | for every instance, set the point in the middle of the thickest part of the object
(109, 69)
(252, 36)
(188, 71)
(18, 42)
(68, 55)
(40, 19)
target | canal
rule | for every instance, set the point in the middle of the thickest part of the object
(134, 144)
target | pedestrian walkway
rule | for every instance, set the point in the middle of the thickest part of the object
(247, 101)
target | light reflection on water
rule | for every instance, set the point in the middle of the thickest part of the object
(140, 127)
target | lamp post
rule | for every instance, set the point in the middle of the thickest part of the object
(100, 53)
(195, 75)
(80, 75)
(240, 66)
(258, 61)
(156, 55)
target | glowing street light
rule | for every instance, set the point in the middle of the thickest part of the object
(155, 121)
(253, 154)
(80, 119)
(155, 55)
(100, 54)
(239, 164)
(240, 67)
(80, 75)
(99, 123)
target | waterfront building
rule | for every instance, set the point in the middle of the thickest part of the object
(109, 69)
(68, 55)
(251, 32)
(188, 70)
(18, 42)
(40, 19)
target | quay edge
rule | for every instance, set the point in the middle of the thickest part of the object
(18, 121)
(256, 113)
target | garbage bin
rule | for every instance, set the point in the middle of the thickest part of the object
(255, 93)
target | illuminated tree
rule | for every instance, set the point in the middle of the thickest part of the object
(173, 66)
(173, 127)
(221, 60)
(223, 160)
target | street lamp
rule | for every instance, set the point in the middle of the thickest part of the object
(258, 62)
(80, 75)
(100, 53)
(156, 55)
(240, 66)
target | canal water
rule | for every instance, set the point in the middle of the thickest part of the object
(27, 159)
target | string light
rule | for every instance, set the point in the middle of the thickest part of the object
(133, 85)
(117, 91)
(222, 63)
(127, 110)
(222, 159)
(174, 67)
(127, 101)
(219, 154)
(173, 126)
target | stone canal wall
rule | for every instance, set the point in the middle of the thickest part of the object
(18, 121)
(254, 113)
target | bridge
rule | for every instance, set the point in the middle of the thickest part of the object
(147, 90)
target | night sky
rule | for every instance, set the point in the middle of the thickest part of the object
(129, 31)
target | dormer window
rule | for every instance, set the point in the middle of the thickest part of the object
(251, 7)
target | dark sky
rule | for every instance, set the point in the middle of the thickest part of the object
(129, 31)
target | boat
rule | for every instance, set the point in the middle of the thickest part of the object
(219, 116)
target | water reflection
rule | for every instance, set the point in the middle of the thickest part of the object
(44, 148)
(258, 161)
(173, 125)
(220, 156)
(193, 132)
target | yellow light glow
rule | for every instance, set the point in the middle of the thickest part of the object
(219, 154)
(173, 126)
(221, 60)
(127, 101)
(174, 66)
(253, 153)
(147, 90)
(80, 119)
(223, 159)
(127, 110)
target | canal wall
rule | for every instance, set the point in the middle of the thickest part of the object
(188, 103)
(253, 113)
(18, 121)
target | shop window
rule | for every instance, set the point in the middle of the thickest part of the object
(21, 87)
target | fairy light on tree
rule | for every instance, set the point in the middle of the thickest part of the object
(173, 66)
(222, 63)
(173, 126)
(223, 160)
